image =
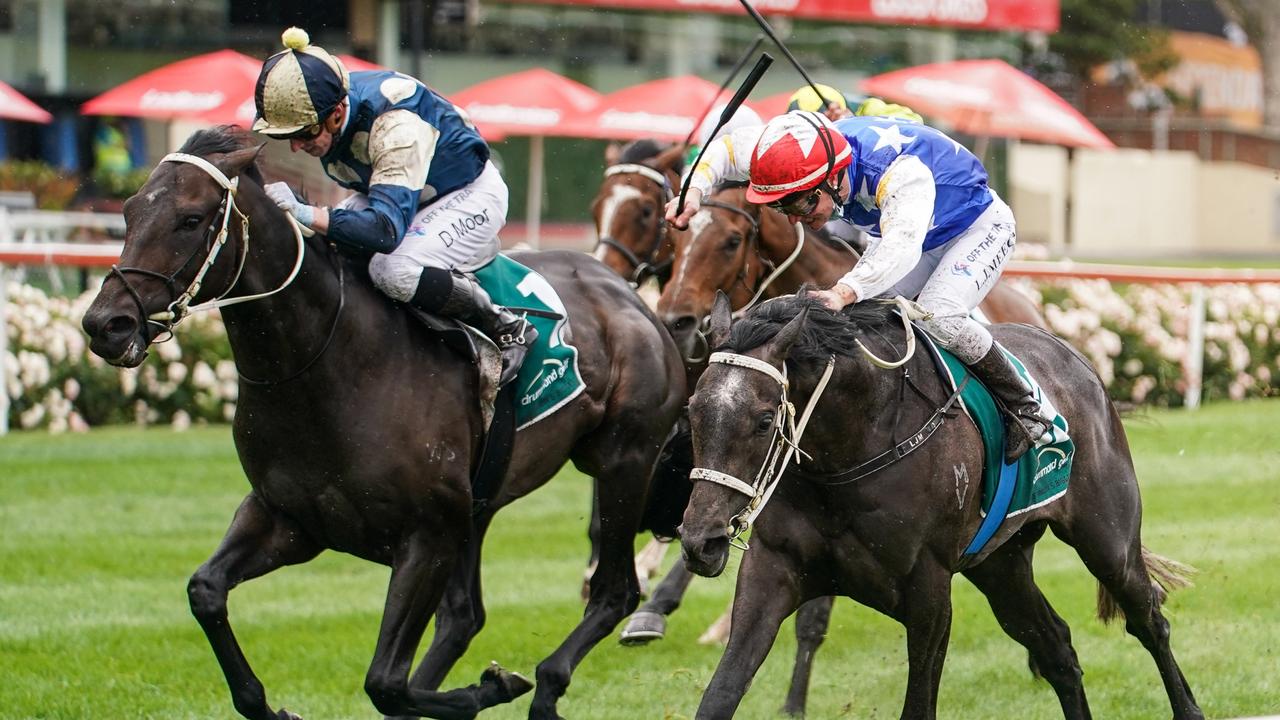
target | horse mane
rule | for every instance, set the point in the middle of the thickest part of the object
(731, 185)
(639, 150)
(220, 140)
(825, 332)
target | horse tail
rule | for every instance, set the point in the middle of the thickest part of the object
(1166, 576)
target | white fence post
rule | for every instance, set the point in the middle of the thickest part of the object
(1195, 348)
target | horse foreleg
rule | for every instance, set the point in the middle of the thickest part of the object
(256, 543)
(650, 621)
(765, 595)
(460, 616)
(1005, 577)
(615, 591)
(812, 620)
(422, 566)
(925, 610)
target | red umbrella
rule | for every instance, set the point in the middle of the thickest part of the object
(535, 103)
(988, 98)
(15, 106)
(773, 105)
(664, 109)
(211, 87)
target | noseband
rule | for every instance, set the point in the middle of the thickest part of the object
(646, 266)
(180, 307)
(784, 444)
(787, 432)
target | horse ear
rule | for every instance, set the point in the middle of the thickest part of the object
(781, 343)
(721, 319)
(671, 160)
(234, 162)
(612, 151)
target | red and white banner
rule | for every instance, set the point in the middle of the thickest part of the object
(982, 14)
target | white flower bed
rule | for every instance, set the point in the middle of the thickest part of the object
(1135, 335)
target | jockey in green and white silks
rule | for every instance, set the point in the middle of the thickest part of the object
(428, 201)
(939, 233)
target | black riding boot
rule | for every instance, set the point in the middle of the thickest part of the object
(469, 302)
(1024, 423)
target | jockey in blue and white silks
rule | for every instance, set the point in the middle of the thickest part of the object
(939, 233)
(428, 201)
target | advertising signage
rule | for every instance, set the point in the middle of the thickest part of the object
(1039, 15)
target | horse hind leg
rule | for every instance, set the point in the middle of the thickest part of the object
(1106, 536)
(1137, 591)
(812, 620)
(1005, 577)
(256, 543)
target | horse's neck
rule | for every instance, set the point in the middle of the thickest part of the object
(817, 264)
(274, 336)
(866, 410)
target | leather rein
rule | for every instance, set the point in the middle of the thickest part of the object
(648, 266)
(216, 238)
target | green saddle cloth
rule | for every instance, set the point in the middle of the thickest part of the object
(1042, 473)
(549, 377)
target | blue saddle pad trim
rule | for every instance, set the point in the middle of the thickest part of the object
(1039, 477)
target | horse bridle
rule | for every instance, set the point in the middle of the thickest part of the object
(785, 442)
(642, 268)
(768, 274)
(180, 307)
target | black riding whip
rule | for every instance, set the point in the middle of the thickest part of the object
(735, 102)
(787, 53)
(732, 74)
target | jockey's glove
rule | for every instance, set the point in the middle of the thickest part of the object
(283, 197)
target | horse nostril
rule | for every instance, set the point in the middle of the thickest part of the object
(118, 327)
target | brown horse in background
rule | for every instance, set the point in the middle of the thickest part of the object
(751, 252)
(633, 237)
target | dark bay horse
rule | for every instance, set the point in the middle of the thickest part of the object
(358, 429)
(633, 238)
(751, 253)
(894, 538)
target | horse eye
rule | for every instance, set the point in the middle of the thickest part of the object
(733, 241)
(191, 222)
(765, 423)
(646, 212)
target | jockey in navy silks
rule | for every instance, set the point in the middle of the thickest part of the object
(939, 233)
(428, 201)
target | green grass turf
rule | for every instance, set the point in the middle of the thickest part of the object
(99, 532)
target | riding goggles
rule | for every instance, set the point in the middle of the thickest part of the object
(310, 132)
(798, 204)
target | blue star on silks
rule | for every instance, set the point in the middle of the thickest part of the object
(891, 137)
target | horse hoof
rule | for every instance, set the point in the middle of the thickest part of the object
(286, 715)
(511, 685)
(643, 628)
